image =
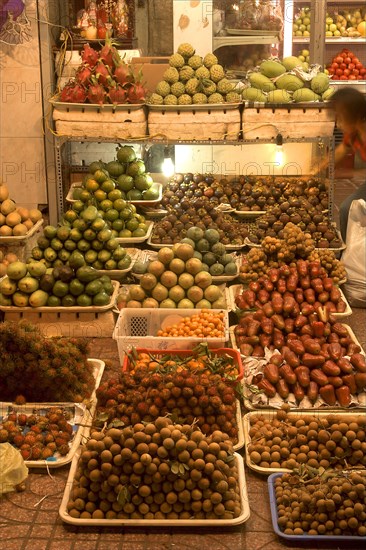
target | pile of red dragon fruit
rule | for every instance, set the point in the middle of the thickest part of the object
(104, 77)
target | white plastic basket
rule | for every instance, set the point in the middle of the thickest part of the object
(138, 328)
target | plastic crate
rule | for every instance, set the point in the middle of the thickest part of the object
(234, 354)
(139, 327)
(311, 541)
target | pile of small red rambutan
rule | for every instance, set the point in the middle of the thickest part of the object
(34, 368)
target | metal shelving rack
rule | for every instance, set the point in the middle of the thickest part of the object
(64, 166)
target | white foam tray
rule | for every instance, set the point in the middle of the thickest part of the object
(234, 290)
(147, 255)
(246, 396)
(244, 516)
(69, 309)
(77, 184)
(136, 240)
(116, 274)
(269, 415)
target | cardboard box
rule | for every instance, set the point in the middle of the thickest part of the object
(153, 69)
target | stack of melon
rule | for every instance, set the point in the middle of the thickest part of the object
(15, 220)
(286, 81)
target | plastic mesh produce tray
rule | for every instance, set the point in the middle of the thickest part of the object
(139, 328)
(304, 539)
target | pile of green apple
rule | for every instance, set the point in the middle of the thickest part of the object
(83, 233)
(124, 178)
(32, 284)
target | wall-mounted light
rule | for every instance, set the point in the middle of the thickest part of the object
(167, 167)
(279, 150)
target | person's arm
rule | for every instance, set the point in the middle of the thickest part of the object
(339, 153)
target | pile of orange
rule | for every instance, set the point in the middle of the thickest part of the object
(206, 324)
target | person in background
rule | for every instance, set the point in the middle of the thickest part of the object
(350, 110)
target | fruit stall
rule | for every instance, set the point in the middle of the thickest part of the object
(175, 345)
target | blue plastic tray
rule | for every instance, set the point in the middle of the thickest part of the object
(299, 538)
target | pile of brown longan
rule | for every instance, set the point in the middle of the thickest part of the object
(156, 470)
(291, 439)
(334, 506)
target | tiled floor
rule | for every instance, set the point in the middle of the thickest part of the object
(29, 520)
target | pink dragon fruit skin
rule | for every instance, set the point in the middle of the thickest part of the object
(78, 94)
(89, 55)
(122, 74)
(117, 94)
(66, 93)
(83, 75)
(136, 93)
(102, 73)
(96, 94)
(107, 53)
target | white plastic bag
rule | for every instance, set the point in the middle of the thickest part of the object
(354, 257)
(13, 471)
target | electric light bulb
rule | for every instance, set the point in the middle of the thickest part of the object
(279, 150)
(168, 167)
(279, 155)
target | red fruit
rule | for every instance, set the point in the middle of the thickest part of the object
(117, 94)
(343, 77)
(22, 419)
(102, 32)
(83, 75)
(122, 74)
(96, 94)
(89, 55)
(20, 400)
(18, 440)
(46, 453)
(346, 72)
(108, 53)
(347, 60)
(102, 73)
(334, 66)
(203, 401)
(66, 93)
(136, 93)
(355, 72)
(343, 66)
(26, 453)
(339, 59)
(339, 72)
(153, 411)
(36, 453)
(352, 77)
(77, 94)
(358, 65)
